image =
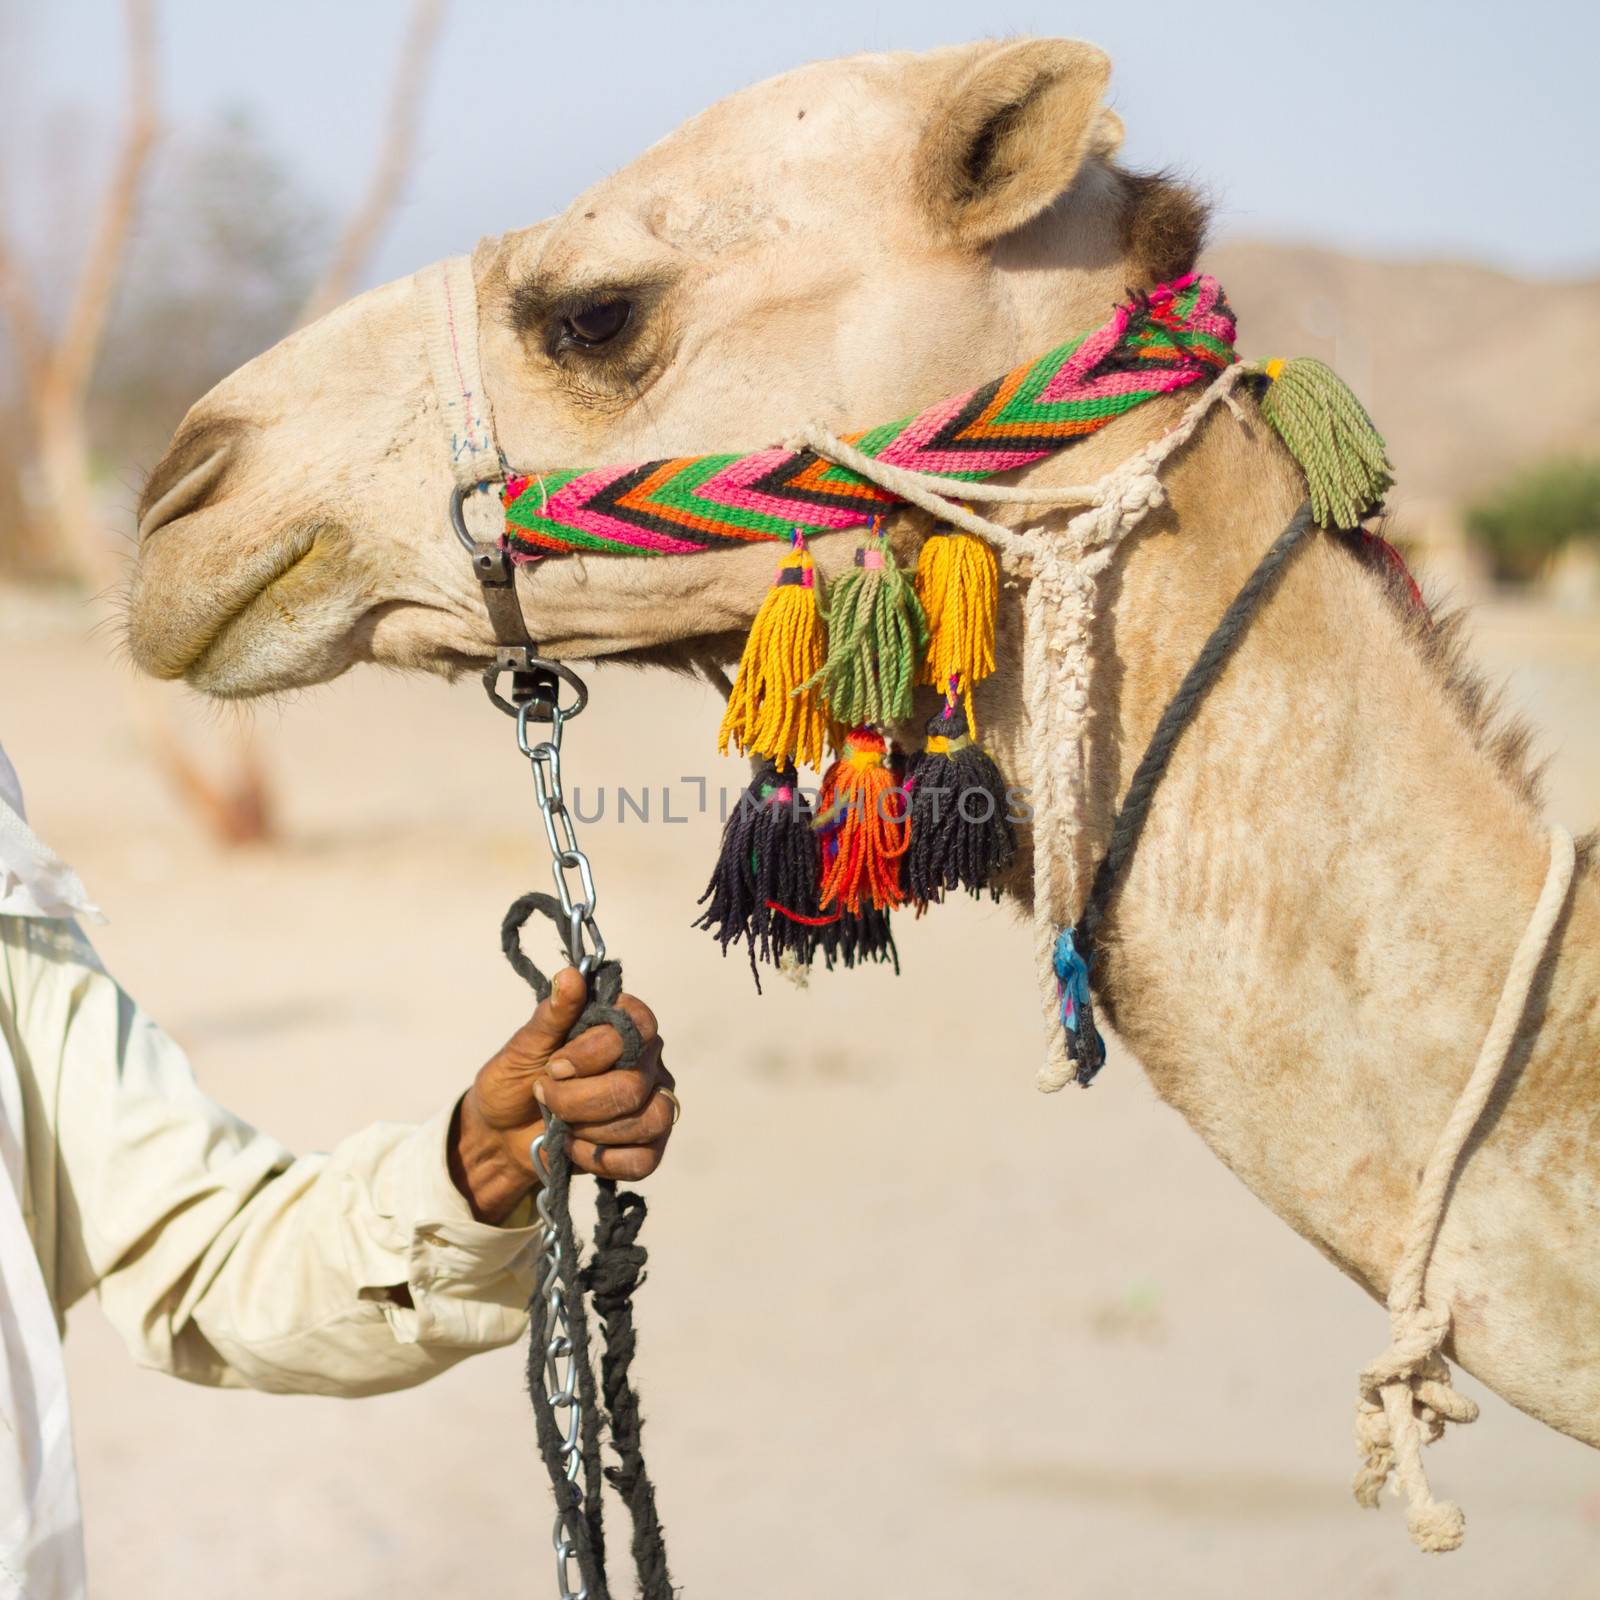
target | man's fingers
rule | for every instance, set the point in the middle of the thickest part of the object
(610, 1092)
(599, 1048)
(546, 1031)
(544, 1036)
(653, 1123)
(644, 1019)
(594, 1051)
(630, 1163)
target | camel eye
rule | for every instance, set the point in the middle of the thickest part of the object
(597, 324)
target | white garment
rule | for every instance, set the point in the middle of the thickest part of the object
(41, 1534)
(34, 880)
(216, 1254)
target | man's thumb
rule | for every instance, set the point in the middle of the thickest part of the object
(546, 1031)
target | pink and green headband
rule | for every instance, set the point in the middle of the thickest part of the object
(1177, 335)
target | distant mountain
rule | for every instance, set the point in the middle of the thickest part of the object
(1467, 371)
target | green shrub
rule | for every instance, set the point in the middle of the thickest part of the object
(1525, 520)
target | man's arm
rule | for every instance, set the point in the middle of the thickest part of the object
(223, 1259)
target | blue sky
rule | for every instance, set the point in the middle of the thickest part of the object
(1401, 128)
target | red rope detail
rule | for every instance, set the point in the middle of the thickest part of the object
(1397, 563)
(810, 922)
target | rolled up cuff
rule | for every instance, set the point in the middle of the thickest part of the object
(469, 1280)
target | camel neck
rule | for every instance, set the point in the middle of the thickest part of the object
(1311, 938)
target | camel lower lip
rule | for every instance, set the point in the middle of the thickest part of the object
(191, 642)
(197, 669)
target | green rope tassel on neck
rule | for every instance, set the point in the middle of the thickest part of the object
(1330, 435)
(876, 635)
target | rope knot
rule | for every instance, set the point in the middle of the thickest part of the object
(1406, 1398)
(1139, 494)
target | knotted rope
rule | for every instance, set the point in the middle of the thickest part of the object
(1406, 1396)
(1057, 648)
(610, 1278)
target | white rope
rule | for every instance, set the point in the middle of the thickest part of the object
(1057, 645)
(928, 491)
(1406, 1396)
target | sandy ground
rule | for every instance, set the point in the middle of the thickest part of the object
(913, 1329)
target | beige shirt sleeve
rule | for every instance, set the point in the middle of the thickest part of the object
(218, 1255)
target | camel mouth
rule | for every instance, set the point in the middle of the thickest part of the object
(207, 663)
(255, 627)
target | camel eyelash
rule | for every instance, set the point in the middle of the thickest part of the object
(601, 321)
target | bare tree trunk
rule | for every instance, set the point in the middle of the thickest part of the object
(55, 375)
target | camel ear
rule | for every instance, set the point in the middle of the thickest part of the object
(1010, 133)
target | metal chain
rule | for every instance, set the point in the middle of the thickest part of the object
(561, 1393)
(586, 948)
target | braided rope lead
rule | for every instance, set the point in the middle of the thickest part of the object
(1175, 719)
(581, 1513)
(1406, 1396)
(614, 1272)
(611, 1278)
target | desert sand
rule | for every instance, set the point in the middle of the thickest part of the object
(912, 1329)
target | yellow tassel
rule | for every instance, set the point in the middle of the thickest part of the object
(769, 712)
(958, 585)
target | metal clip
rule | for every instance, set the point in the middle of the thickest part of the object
(535, 684)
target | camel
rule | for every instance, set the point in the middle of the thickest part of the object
(1317, 923)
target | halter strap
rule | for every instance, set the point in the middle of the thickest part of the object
(449, 316)
(449, 296)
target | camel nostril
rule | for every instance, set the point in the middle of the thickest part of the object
(188, 474)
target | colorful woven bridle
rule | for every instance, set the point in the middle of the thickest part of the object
(796, 878)
(1179, 334)
(795, 881)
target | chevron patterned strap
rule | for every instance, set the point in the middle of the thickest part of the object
(1174, 336)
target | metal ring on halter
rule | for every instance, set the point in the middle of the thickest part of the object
(540, 710)
(458, 509)
(552, 712)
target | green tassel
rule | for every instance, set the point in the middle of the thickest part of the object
(1330, 435)
(876, 636)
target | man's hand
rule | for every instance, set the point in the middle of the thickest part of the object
(619, 1118)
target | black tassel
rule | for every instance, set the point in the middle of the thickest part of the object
(962, 836)
(764, 887)
(848, 940)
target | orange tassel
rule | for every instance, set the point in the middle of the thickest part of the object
(864, 820)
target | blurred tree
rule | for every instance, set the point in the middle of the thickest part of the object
(1525, 521)
(224, 265)
(395, 155)
(227, 251)
(54, 365)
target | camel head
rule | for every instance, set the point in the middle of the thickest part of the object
(842, 244)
